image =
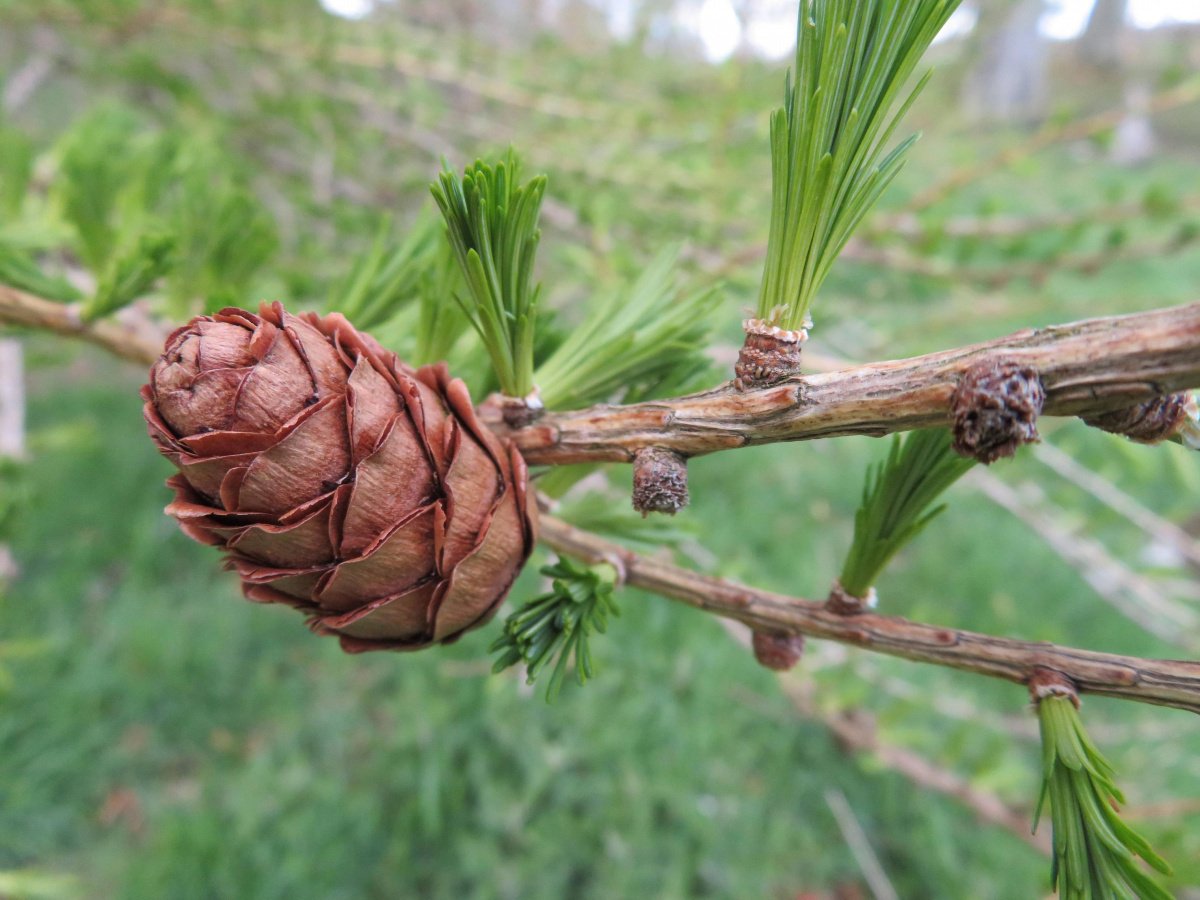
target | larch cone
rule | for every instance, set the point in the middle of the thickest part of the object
(337, 479)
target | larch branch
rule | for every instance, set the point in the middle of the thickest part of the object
(1086, 367)
(1174, 683)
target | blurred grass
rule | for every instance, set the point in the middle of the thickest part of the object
(175, 741)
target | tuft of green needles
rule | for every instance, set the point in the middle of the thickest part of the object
(1095, 852)
(492, 224)
(557, 626)
(896, 502)
(828, 140)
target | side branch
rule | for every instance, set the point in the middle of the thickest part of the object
(1086, 368)
(125, 335)
(1161, 682)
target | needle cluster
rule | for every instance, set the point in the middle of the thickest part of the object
(829, 158)
(1095, 852)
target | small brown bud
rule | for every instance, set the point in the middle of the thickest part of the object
(844, 603)
(1151, 422)
(995, 408)
(520, 412)
(660, 482)
(768, 355)
(777, 651)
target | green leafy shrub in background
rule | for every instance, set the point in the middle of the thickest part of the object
(233, 760)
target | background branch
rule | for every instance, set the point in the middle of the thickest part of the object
(1139, 599)
(855, 731)
(1156, 527)
(1173, 683)
(1183, 93)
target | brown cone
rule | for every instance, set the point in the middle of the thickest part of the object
(338, 480)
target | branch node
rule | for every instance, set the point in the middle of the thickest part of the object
(777, 650)
(618, 565)
(995, 408)
(660, 481)
(769, 355)
(1151, 422)
(844, 603)
(1046, 682)
(519, 412)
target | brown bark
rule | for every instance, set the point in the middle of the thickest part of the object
(1086, 368)
(137, 340)
(1174, 683)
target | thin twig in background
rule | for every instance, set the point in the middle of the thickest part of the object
(411, 66)
(906, 261)
(1186, 92)
(1006, 226)
(1133, 596)
(22, 84)
(860, 846)
(1155, 526)
(392, 59)
(855, 731)
(1167, 809)
(130, 334)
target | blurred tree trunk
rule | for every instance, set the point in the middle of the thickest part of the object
(1101, 43)
(1134, 141)
(1102, 46)
(1009, 82)
(12, 399)
(12, 427)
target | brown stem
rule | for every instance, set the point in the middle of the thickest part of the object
(127, 334)
(1173, 683)
(521, 412)
(1086, 368)
(768, 356)
(1091, 365)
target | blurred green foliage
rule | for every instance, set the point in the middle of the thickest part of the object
(171, 740)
